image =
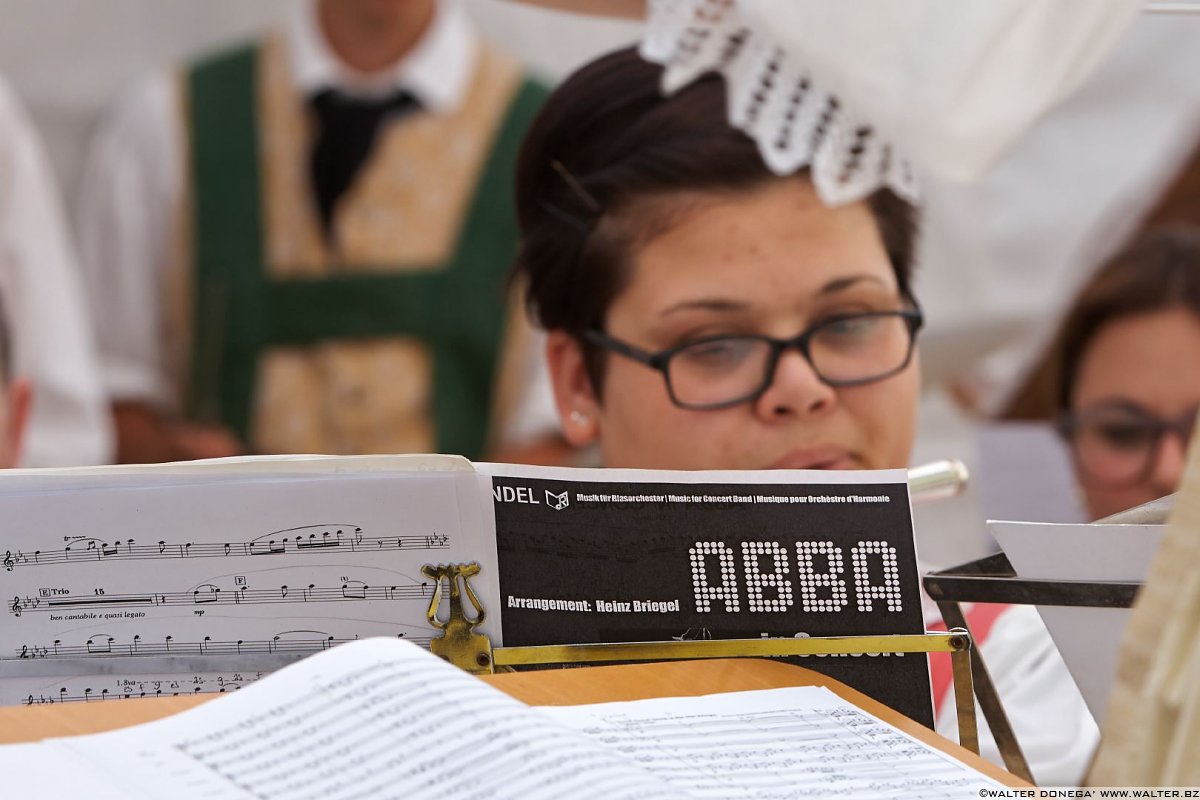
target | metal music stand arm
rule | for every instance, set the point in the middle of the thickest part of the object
(989, 701)
(469, 650)
(992, 580)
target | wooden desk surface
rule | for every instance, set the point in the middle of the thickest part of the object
(546, 688)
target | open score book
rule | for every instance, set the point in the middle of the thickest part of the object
(383, 718)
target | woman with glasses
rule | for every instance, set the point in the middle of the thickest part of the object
(1122, 377)
(702, 312)
(1122, 381)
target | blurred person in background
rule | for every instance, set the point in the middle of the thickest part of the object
(48, 335)
(1121, 378)
(15, 396)
(299, 245)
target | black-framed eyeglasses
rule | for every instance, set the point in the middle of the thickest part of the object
(1116, 445)
(723, 371)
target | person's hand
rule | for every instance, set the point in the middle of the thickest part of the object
(147, 436)
(194, 440)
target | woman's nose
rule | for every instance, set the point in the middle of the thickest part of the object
(795, 389)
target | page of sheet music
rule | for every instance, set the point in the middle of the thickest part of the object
(36, 770)
(373, 719)
(800, 742)
(623, 555)
(196, 580)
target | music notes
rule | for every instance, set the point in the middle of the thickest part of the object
(216, 568)
(798, 742)
(309, 539)
(133, 687)
(102, 645)
(208, 594)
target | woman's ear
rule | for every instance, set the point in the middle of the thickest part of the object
(578, 406)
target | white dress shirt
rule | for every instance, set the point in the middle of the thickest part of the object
(51, 328)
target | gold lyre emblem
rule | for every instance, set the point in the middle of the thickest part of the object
(458, 644)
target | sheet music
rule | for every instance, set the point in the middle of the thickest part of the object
(36, 770)
(377, 718)
(48, 690)
(383, 718)
(591, 555)
(1009, 489)
(218, 571)
(801, 742)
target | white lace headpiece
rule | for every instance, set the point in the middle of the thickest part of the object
(843, 86)
(773, 99)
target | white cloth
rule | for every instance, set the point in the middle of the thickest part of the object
(1000, 259)
(1048, 715)
(132, 192)
(952, 85)
(50, 325)
(772, 97)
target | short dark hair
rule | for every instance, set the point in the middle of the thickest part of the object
(1158, 271)
(605, 146)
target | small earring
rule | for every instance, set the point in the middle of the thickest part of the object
(579, 418)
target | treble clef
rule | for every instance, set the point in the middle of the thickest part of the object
(16, 606)
(8, 560)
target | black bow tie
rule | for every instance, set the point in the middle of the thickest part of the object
(346, 130)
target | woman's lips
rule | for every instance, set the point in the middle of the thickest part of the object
(825, 457)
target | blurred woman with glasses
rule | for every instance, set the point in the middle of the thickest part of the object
(1122, 376)
(703, 312)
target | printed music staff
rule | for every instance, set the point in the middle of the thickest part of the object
(295, 541)
(210, 594)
